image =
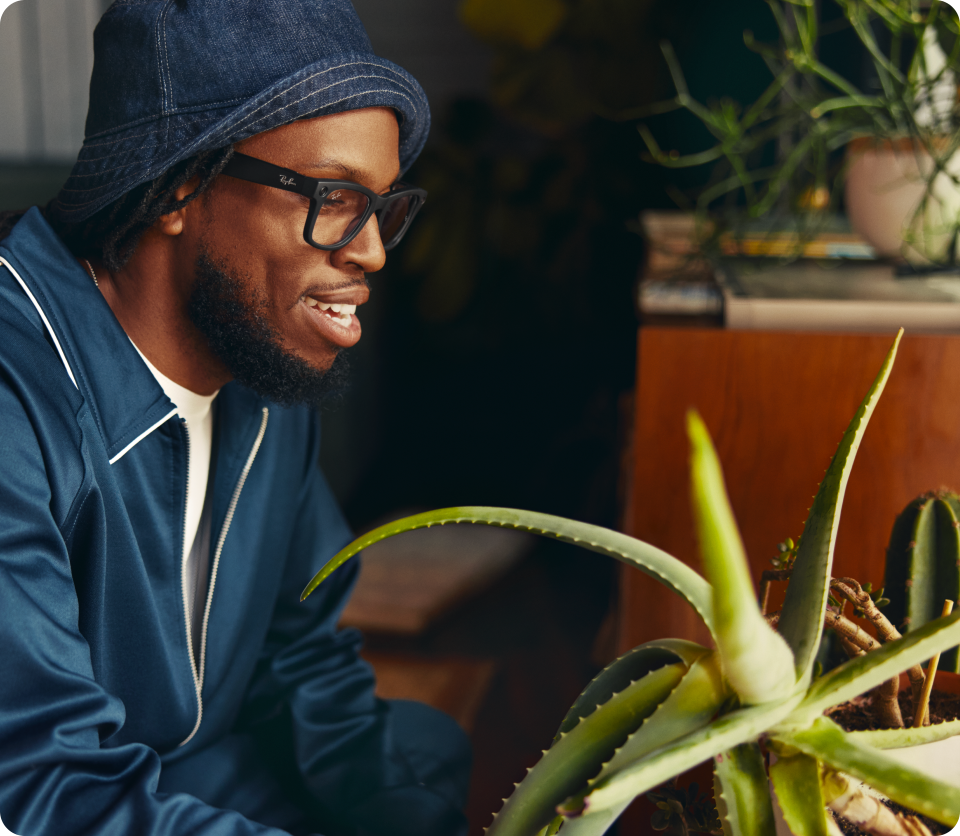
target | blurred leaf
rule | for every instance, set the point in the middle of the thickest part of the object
(756, 660)
(801, 619)
(742, 779)
(528, 24)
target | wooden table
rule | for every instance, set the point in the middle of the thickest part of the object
(776, 404)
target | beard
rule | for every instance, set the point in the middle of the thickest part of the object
(239, 333)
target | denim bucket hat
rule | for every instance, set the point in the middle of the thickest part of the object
(172, 78)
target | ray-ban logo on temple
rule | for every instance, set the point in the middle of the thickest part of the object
(287, 181)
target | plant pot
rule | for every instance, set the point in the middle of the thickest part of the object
(940, 759)
(884, 186)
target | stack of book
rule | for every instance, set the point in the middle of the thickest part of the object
(834, 283)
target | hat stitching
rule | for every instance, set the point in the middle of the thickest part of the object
(345, 98)
(341, 66)
(177, 141)
(158, 25)
(185, 111)
(401, 80)
(139, 147)
(163, 83)
(127, 179)
(165, 69)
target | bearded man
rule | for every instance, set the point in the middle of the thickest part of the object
(169, 321)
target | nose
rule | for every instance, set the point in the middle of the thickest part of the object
(366, 250)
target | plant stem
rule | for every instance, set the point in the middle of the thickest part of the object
(859, 643)
(888, 704)
(854, 593)
(766, 577)
(868, 813)
(851, 631)
(921, 716)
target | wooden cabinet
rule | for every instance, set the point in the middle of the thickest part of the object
(776, 404)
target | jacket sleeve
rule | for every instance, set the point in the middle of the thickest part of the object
(55, 779)
(372, 766)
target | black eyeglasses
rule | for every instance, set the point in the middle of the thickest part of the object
(338, 208)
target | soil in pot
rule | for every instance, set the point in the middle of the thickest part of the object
(858, 715)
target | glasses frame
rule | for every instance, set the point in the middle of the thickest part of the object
(254, 170)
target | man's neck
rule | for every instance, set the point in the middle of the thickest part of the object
(149, 297)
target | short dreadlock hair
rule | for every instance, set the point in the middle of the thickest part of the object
(112, 234)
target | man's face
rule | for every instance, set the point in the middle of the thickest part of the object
(252, 236)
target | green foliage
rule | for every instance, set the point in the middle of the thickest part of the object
(741, 777)
(756, 660)
(923, 564)
(649, 559)
(665, 707)
(796, 781)
(810, 111)
(801, 620)
(826, 741)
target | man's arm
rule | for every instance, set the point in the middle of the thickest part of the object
(384, 767)
(55, 778)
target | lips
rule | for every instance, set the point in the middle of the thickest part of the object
(336, 321)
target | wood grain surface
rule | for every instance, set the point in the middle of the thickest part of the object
(776, 404)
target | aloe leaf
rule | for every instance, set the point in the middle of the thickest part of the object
(724, 733)
(690, 706)
(571, 761)
(628, 668)
(796, 781)
(741, 777)
(826, 741)
(902, 738)
(553, 828)
(801, 620)
(596, 824)
(859, 675)
(722, 813)
(655, 562)
(756, 660)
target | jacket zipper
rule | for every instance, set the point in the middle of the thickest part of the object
(231, 509)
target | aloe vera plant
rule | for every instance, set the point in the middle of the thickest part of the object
(669, 705)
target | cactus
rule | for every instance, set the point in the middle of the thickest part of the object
(923, 564)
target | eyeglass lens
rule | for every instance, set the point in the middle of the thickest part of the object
(342, 209)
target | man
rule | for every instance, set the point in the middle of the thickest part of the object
(167, 323)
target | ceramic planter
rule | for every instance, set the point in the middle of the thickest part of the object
(940, 759)
(885, 184)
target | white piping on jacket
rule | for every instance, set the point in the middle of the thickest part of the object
(231, 508)
(43, 316)
(66, 365)
(142, 436)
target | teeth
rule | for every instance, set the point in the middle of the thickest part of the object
(342, 310)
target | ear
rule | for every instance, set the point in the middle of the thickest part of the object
(172, 223)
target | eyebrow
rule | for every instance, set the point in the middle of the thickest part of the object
(349, 172)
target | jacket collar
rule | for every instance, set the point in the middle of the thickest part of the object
(124, 398)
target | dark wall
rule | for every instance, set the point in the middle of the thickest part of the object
(501, 336)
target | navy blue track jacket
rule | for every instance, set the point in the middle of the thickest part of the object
(106, 724)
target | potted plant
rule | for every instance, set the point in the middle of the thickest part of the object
(901, 168)
(666, 706)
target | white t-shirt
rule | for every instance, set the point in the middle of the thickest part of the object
(197, 413)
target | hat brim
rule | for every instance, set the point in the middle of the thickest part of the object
(110, 165)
